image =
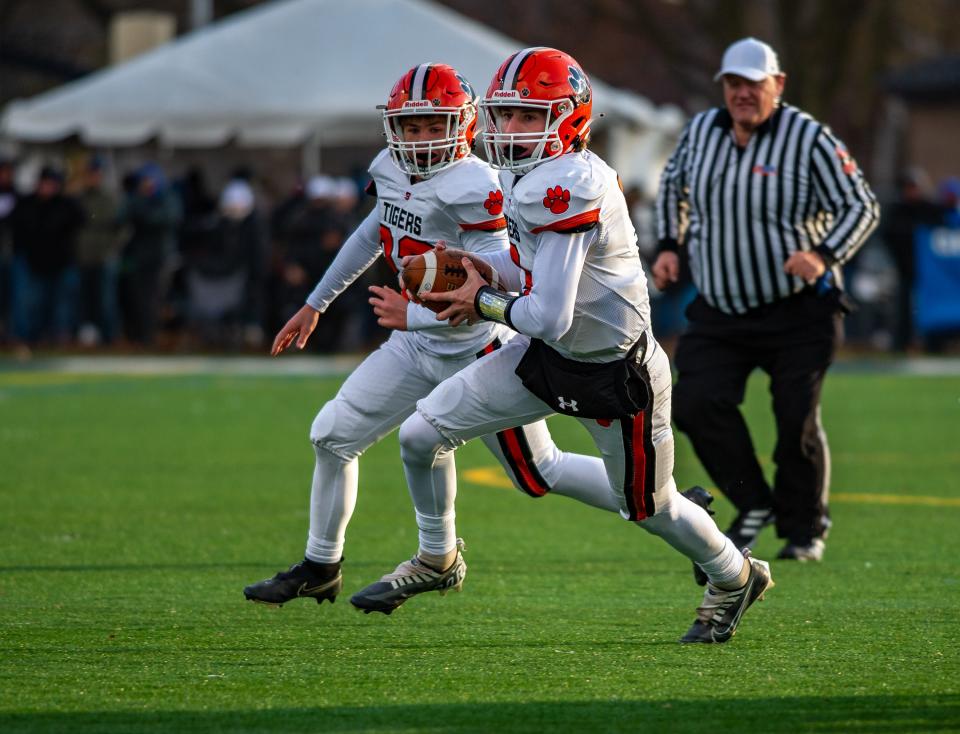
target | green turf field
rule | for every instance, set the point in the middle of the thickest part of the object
(134, 509)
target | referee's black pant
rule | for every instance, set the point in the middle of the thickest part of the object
(793, 341)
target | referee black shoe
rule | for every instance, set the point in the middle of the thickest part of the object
(746, 526)
(308, 579)
(719, 615)
(803, 550)
(701, 497)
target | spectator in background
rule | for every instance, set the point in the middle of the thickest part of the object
(911, 209)
(200, 218)
(153, 213)
(950, 200)
(355, 319)
(277, 305)
(225, 273)
(8, 201)
(312, 232)
(199, 208)
(98, 253)
(45, 225)
(666, 306)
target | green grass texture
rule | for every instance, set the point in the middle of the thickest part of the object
(134, 509)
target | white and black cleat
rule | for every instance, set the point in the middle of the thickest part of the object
(407, 580)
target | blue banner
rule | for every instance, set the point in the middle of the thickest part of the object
(937, 287)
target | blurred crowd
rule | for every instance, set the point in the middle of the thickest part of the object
(160, 264)
(154, 263)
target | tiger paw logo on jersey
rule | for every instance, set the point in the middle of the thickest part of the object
(494, 203)
(557, 200)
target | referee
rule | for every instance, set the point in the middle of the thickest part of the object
(768, 205)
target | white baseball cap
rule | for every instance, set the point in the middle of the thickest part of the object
(749, 58)
(237, 195)
(321, 187)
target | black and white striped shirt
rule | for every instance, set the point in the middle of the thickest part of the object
(741, 212)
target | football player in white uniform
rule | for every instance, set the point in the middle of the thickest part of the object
(429, 189)
(585, 348)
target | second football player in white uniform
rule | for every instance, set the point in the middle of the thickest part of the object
(429, 189)
(586, 347)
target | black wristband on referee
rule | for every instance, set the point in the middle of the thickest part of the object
(494, 305)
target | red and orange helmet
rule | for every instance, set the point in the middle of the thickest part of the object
(545, 79)
(430, 90)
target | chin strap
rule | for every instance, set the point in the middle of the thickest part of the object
(494, 305)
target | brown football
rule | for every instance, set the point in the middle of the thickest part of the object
(438, 271)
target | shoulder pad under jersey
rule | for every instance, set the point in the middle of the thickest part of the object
(468, 180)
(382, 168)
(471, 191)
(563, 195)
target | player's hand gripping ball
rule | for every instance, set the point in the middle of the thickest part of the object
(440, 271)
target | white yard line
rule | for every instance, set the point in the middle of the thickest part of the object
(342, 365)
(254, 366)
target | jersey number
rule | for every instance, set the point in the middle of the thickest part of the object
(406, 246)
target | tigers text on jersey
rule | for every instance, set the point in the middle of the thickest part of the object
(571, 193)
(460, 206)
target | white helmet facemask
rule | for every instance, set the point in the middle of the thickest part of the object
(426, 158)
(522, 152)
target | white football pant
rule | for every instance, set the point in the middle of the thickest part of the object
(487, 396)
(376, 398)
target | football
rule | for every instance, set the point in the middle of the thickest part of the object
(439, 271)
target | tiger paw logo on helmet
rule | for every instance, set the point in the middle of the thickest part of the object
(494, 202)
(557, 200)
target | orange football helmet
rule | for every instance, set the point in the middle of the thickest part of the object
(431, 90)
(544, 79)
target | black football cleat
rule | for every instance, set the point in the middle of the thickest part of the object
(701, 497)
(719, 614)
(320, 581)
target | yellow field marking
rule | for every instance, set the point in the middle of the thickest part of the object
(494, 477)
(489, 476)
(48, 379)
(894, 499)
(61, 379)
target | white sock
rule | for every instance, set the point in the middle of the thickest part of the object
(333, 497)
(725, 568)
(438, 535)
(432, 479)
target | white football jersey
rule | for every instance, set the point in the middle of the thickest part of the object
(571, 192)
(461, 206)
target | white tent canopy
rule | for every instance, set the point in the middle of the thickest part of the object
(285, 73)
(276, 73)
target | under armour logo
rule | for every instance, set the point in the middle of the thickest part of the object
(572, 404)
